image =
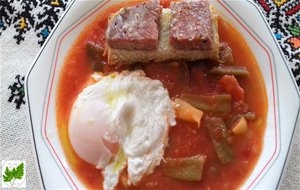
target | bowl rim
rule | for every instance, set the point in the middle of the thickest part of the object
(92, 12)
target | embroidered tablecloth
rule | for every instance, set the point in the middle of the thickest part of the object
(24, 26)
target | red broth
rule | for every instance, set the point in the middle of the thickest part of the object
(184, 139)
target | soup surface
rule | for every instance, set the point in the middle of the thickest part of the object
(184, 139)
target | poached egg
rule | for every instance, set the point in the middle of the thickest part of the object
(122, 120)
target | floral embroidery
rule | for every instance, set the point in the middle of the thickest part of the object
(17, 93)
(284, 19)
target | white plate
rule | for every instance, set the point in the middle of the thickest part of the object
(282, 92)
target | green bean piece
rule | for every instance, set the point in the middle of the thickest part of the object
(248, 115)
(230, 70)
(212, 103)
(186, 169)
(219, 134)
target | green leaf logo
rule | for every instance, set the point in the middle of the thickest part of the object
(10, 175)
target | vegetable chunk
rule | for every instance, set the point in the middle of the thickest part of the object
(225, 54)
(230, 70)
(94, 54)
(219, 134)
(187, 169)
(232, 86)
(240, 127)
(187, 112)
(249, 116)
(213, 103)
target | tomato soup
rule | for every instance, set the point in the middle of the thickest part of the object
(184, 139)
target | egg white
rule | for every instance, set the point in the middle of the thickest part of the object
(130, 109)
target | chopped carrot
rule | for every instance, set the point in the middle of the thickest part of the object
(187, 112)
(232, 86)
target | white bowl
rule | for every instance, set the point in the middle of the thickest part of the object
(282, 92)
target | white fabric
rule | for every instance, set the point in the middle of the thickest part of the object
(15, 128)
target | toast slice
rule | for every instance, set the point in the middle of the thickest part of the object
(165, 51)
